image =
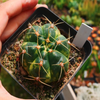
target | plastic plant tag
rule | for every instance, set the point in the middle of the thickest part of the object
(82, 35)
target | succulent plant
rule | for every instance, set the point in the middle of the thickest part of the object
(88, 93)
(44, 53)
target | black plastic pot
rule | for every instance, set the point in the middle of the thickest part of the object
(64, 27)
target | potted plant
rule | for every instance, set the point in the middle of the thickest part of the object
(40, 55)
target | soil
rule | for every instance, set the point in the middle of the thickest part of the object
(10, 60)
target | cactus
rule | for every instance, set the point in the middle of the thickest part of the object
(88, 93)
(44, 53)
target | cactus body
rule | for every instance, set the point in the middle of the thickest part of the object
(46, 53)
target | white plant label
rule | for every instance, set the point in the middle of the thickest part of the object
(82, 35)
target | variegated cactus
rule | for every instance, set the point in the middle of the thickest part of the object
(44, 53)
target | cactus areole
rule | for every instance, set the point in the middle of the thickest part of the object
(44, 53)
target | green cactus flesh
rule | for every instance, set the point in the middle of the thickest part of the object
(45, 53)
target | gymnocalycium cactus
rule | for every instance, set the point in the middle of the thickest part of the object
(45, 53)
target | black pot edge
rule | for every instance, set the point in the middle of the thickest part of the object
(17, 81)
